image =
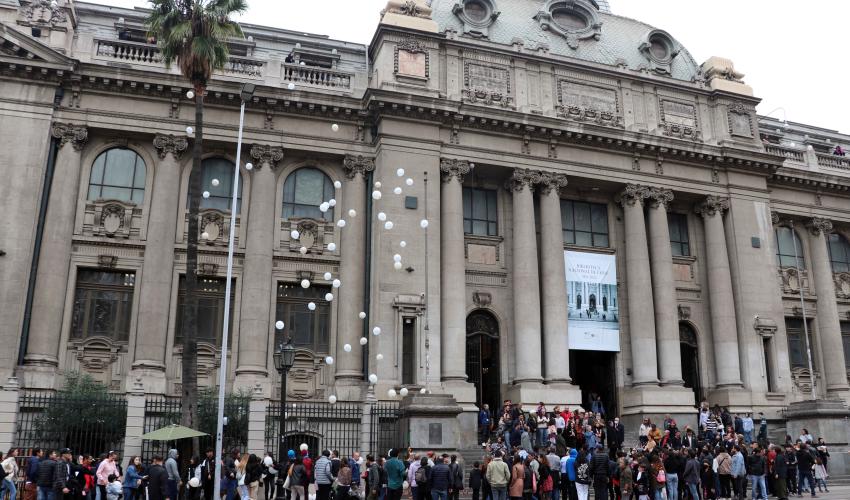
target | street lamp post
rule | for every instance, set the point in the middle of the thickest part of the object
(284, 358)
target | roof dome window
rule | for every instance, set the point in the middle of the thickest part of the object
(659, 49)
(572, 19)
(476, 15)
(475, 10)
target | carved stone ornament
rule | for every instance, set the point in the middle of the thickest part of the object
(548, 15)
(802, 378)
(305, 379)
(407, 8)
(818, 225)
(740, 120)
(774, 218)
(77, 135)
(632, 194)
(842, 285)
(411, 59)
(659, 197)
(354, 165)
(488, 97)
(264, 154)
(712, 205)
(791, 281)
(165, 144)
(522, 178)
(684, 312)
(451, 168)
(96, 354)
(43, 13)
(482, 299)
(551, 182)
(212, 222)
(410, 44)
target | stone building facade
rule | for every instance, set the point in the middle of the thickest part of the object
(544, 127)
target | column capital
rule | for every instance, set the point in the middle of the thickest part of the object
(523, 177)
(358, 164)
(712, 205)
(453, 168)
(659, 197)
(264, 154)
(552, 182)
(77, 135)
(165, 144)
(632, 194)
(818, 225)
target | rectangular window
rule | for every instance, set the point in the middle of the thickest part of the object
(767, 344)
(678, 224)
(103, 304)
(797, 345)
(584, 224)
(308, 329)
(845, 338)
(210, 310)
(408, 351)
(479, 212)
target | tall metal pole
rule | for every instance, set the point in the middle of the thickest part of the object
(803, 310)
(281, 450)
(222, 374)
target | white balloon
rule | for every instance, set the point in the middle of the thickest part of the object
(382, 216)
(190, 94)
(403, 391)
(376, 195)
(294, 234)
(332, 247)
(303, 250)
(396, 258)
(422, 391)
(373, 379)
(190, 131)
(329, 360)
(338, 184)
(376, 331)
(336, 283)
(391, 393)
(379, 356)
(311, 306)
(346, 348)
(352, 213)
(388, 225)
(291, 86)
(400, 172)
(249, 166)
(194, 482)
(332, 202)
(423, 223)
(305, 283)
(331, 398)
(205, 235)
(324, 207)
(409, 181)
(363, 340)
(397, 190)
(329, 296)
(327, 276)
(378, 185)
(397, 266)
(362, 315)
(402, 244)
(335, 127)
(340, 223)
(215, 182)
(206, 194)
(279, 325)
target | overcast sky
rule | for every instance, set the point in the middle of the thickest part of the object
(795, 55)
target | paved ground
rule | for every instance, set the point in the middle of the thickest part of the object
(837, 492)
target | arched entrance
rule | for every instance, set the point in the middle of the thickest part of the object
(591, 302)
(482, 357)
(690, 359)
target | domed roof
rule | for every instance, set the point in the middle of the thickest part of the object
(579, 29)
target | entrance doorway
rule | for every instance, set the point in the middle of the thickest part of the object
(593, 372)
(482, 357)
(690, 359)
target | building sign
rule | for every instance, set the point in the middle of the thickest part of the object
(594, 318)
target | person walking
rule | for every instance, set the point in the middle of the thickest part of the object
(484, 420)
(517, 478)
(132, 478)
(691, 475)
(498, 475)
(10, 467)
(724, 472)
(298, 479)
(455, 478)
(805, 465)
(173, 471)
(599, 473)
(395, 476)
(757, 467)
(30, 488)
(270, 469)
(475, 481)
(440, 479)
(583, 478)
(44, 477)
(780, 475)
(343, 480)
(323, 474)
(158, 481)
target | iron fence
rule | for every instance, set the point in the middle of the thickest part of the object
(386, 430)
(85, 423)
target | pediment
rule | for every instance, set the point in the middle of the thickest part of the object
(17, 46)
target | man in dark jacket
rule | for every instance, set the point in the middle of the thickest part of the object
(30, 488)
(440, 480)
(805, 463)
(689, 441)
(598, 471)
(62, 479)
(691, 475)
(158, 481)
(780, 474)
(756, 469)
(44, 476)
(208, 474)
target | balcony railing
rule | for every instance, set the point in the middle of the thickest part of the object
(144, 53)
(834, 161)
(317, 77)
(788, 153)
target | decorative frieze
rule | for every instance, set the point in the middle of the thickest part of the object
(264, 154)
(740, 120)
(679, 120)
(451, 168)
(659, 197)
(357, 164)
(818, 225)
(112, 219)
(712, 205)
(77, 135)
(166, 144)
(632, 194)
(551, 181)
(842, 285)
(487, 84)
(411, 58)
(522, 178)
(588, 103)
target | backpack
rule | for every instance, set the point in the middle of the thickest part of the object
(421, 479)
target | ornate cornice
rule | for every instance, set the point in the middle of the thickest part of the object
(263, 154)
(523, 177)
(552, 182)
(451, 168)
(165, 144)
(632, 194)
(818, 225)
(659, 197)
(77, 135)
(359, 164)
(712, 205)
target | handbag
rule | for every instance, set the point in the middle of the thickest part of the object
(286, 483)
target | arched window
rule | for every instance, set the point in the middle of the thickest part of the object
(839, 253)
(303, 192)
(786, 240)
(221, 169)
(118, 174)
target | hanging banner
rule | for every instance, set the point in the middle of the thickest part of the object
(594, 318)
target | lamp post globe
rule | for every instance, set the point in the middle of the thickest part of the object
(284, 358)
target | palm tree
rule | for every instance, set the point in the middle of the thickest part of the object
(194, 33)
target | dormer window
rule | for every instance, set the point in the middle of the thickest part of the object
(572, 19)
(659, 48)
(476, 15)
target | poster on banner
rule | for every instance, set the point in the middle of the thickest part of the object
(594, 317)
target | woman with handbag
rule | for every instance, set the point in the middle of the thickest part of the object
(657, 478)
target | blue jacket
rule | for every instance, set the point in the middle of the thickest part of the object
(738, 467)
(440, 478)
(590, 439)
(571, 465)
(32, 469)
(131, 478)
(355, 471)
(483, 418)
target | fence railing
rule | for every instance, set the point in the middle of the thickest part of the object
(834, 161)
(791, 154)
(317, 77)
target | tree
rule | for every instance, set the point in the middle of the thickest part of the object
(194, 33)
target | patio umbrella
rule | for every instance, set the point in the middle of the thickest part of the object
(172, 432)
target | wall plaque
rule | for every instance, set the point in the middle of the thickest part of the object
(411, 63)
(435, 433)
(583, 102)
(679, 113)
(487, 84)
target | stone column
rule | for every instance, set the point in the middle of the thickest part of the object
(54, 261)
(723, 322)
(257, 409)
(828, 327)
(157, 269)
(9, 394)
(135, 423)
(352, 246)
(553, 280)
(664, 289)
(639, 288)
(452, 271)
(526, 283)
(254, 317)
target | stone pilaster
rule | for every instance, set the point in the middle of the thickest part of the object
(135, 423)
(255, 325)
(157, 269)
(723, 322)
(351, 300)
(8, 412)
(51, 284)
(828, 326)
(664, 288)
(257, 421)
(452, 271)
